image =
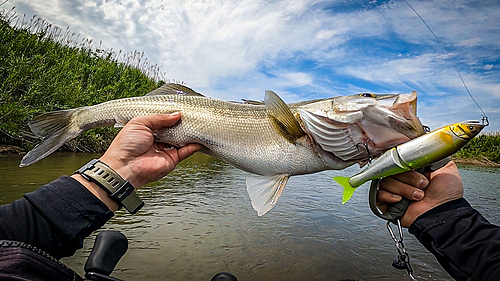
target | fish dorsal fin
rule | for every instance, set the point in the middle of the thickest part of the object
(264, 191)
(334, 136)
(253, 102)
(307, 102)
(174, 89)
(282, 117)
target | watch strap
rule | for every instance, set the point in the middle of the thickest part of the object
(117, 188)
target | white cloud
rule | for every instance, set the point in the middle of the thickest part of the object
(470, 42)
(297, 79)
(303, 48)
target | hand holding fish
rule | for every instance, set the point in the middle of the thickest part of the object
(443, 185)
(137, 157)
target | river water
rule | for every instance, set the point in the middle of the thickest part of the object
(198, 221)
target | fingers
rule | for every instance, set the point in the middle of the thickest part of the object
(183, 152)
(387, 197)
(188, 150)
(155, 122)
(177, 155)
(413, 178)
(408, 185)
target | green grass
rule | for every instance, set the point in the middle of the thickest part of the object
(45, 68)
(484, 146)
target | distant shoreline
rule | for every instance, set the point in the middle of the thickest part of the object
(476, 162)
(12, 149)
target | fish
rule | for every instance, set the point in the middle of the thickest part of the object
(271, 140)
(414, 154)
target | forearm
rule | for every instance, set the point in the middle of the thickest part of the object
(55, 218)
(98, 192)
(463, 241)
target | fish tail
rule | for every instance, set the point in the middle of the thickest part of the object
(55, 128)
(348, 189)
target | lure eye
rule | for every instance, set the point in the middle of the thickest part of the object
(367, 95)
(472, 129)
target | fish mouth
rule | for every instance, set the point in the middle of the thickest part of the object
(408, 108)
(393, 122)
(401, 114)
(376, 125)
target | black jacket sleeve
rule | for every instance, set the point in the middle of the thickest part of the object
(465, 244)
(55, 218)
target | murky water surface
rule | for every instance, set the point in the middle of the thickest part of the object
(198, 221)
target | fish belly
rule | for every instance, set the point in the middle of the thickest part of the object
(242, 135)
(247, 141)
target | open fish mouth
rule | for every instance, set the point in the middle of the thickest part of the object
(359, 128)
(401, 111)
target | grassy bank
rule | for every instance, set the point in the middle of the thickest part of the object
(44, 68)
(481, 150)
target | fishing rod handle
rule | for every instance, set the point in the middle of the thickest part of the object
(397, 210)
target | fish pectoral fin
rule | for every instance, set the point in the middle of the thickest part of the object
(264, 191)
(174, 89)
(333, 136)
(119, 122)
(348, 189)
(282, 117)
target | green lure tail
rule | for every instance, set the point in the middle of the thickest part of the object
(348, 189)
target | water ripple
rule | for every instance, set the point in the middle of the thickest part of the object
(198, 221)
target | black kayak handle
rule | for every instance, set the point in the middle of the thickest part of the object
(109, 247)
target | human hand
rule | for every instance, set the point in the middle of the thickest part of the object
(135, 155)
(426, 191)
(137, 158)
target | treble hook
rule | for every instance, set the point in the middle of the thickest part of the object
(365, 145)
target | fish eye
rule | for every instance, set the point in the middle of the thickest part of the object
(367, 95)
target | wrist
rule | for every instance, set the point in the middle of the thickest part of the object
(444, 207)
(116, 188)
(438, 215)
(122, 169)
(98, 192)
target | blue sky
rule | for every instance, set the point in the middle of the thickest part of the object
(306, 49)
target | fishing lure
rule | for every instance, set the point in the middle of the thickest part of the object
(414, 154)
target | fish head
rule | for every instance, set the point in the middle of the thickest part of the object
(396, 115)
(467, 130)
(360, 127)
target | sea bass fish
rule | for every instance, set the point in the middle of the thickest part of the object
(271, 140)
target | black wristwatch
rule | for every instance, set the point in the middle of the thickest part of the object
(117, 188)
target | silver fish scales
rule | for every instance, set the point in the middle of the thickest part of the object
(271, 140)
